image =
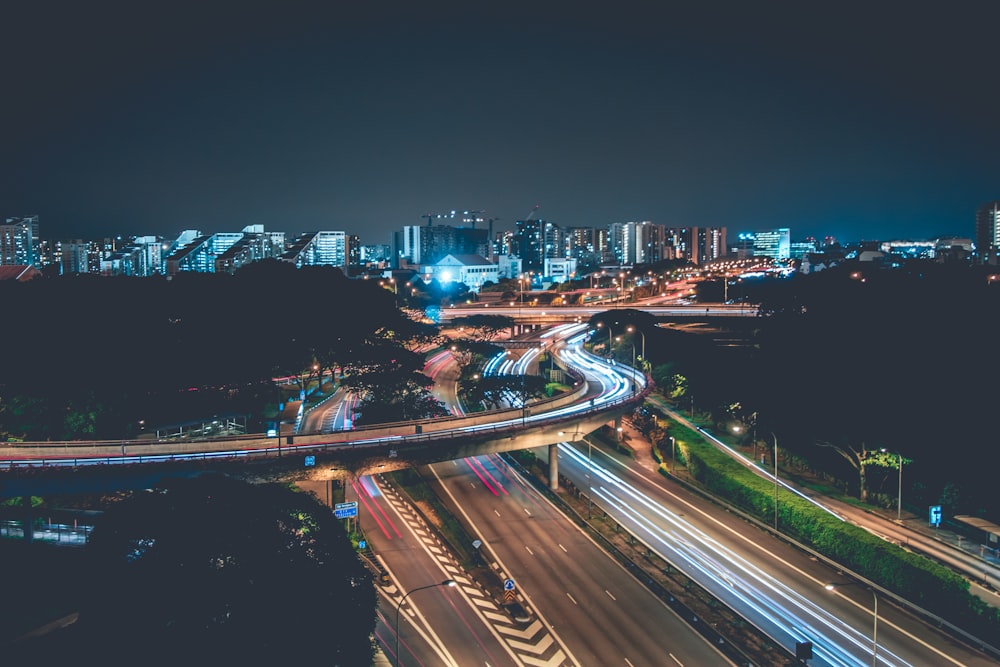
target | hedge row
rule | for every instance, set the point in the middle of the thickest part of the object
(913, 577)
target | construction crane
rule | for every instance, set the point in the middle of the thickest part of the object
(532, 212)
(429, 217)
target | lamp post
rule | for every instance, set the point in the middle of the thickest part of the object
(610, 337)
(590, 477)
(673, 454)
(520, 299)
(446, 582)
(899, 497)
(633, 368)
(632, 329)
(775, 480)
(833, 587)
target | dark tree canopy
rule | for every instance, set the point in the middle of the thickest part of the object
(215, 571)
(865, 358)
(97, 354)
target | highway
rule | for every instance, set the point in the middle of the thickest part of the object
(454, 626)
(596, 612)
(584, 608)
(777, 588)
(773, 585)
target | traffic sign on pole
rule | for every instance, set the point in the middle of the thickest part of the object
(346, 510)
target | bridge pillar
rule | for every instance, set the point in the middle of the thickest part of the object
(554, 467)
(27, 519)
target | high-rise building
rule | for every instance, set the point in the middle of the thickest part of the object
(988, 232)
(773, 243)
(430, 243)
(318, 249)
(224, 252)
(19, 242)
(534, 240)
(74, 257)
(710, 244)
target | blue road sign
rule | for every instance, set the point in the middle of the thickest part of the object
(346, 510)
(310, 461)
(508, 584)
(935, 515)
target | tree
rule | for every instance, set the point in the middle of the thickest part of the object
(391, 384)
(215, 571)
(862, 459)
(484, 327)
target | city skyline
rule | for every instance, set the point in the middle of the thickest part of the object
(857, 122)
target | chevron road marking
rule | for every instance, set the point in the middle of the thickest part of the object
(527, 633)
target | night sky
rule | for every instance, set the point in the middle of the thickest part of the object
(860, 120)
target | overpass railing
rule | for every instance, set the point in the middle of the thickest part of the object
(480, 425)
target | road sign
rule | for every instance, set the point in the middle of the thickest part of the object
(935, 515)
(346, 510)
(508, 584)
(310, 461)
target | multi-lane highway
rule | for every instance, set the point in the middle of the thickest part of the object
(775, 587)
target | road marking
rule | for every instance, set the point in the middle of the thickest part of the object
(496, 512)
(676, 660)
(528, 549)
(572, 600)
(526, 511)
(610, 595)
(563, 548)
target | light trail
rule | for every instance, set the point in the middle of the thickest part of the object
(771, 605)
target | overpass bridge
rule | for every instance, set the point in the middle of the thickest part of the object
(607, 392)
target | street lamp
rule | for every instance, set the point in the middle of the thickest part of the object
(632, 329)
(610, 337)
(833, 587)
(590, 477)
(446, 582)
(775, 480)
(673, 454)
(899, 497)
(633, 367)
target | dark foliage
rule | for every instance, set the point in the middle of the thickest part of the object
(94, 355)
(213, 571)
(870, 358)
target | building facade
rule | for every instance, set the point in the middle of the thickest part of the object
(19, 242)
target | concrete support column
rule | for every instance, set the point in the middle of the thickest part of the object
(554, 467)
(28, 519)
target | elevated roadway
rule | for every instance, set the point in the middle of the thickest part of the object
(40, 468)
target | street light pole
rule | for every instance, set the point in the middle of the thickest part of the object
(673, 455)
(899, 500)
(899, 497)
(633, 368)
(446, 582)
(775, 480)
(832, 587)
(631, 329)
(590, 476)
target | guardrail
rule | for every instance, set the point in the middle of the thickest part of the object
(254, 446)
